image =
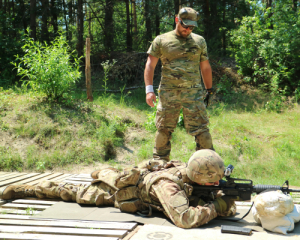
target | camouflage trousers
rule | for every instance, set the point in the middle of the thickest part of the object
(96, 194)
(195, 119)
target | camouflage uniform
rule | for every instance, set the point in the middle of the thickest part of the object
(168, 189)
(137, 190)
(180, 88)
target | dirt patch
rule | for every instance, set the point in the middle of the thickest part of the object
(16, 143)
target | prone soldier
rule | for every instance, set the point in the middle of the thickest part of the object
(165, 188)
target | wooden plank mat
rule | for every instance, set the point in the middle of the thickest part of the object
(126, 225)
(84, 175)
(10, 176)
(17, 219)
(16, 179)
(65, 231)
(14, 236)
(36, 201)
(18, 211)
(68, 224)
(2, 202)
(80, 179)
(4, 173)
(62, 177)
(27, 181)
(25, 206)
(50, 177)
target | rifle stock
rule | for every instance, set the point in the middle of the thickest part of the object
(235, 187)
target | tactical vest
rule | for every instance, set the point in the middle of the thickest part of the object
(134, 195)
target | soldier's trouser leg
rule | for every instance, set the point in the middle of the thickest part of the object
(167, 115)
(196, 120)
(97, 193)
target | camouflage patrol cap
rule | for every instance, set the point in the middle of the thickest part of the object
(205, 166)
(189, 16)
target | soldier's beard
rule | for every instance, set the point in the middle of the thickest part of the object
(183, 33)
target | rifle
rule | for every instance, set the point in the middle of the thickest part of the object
(235, 187)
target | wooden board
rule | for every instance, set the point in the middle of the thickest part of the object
(65, 231)
(17, 220)
(2, 202)
(10, 176)
(4, 173)
(27, 181)
(14, 236)
(19, 178)
(17, 211)
(25, 206)
(68, 224)
(37, 201)
(62, 177)
(80, 179)
(54, 175)
(83, 175)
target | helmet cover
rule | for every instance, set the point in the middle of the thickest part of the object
(205, 166)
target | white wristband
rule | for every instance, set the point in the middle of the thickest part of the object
(149, 89)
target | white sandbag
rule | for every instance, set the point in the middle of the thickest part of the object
(276, 211)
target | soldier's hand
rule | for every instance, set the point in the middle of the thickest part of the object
(224, 203)
(209, 93)
(151, 99)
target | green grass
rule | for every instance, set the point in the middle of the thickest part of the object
(262, 143)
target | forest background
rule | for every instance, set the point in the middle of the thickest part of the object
(254, 52)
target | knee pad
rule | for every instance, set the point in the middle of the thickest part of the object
(204, 141)
(162, 138)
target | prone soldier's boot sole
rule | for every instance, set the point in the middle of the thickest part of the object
(5, 195)
(94, 174)
(17, 191)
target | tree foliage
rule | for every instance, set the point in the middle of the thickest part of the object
(48, 68)
(266, 46)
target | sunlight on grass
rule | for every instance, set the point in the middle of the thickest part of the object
(263, 145)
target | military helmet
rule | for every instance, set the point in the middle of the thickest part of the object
(205, 166)
(189, 16)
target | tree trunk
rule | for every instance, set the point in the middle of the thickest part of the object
(0, 4)
(33, 19)
(65, 18)
(109, 25)
(134, 19)
(269, 5)
(157, 18)
(206, 19)
(128, 33)
(70, 8)
(24, 21)
(148, 22)
(45, 33)
(294, 5)
(54, 17)
(80, 28)
(224, 31)
(176, 10)
(191, 3)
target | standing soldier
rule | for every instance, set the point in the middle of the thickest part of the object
(181, 52)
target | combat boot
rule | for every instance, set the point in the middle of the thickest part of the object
(17, 191)
(94, 174)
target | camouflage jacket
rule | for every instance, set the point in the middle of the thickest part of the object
(167, 190)
(180, 58)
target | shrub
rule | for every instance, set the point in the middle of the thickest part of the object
(267, 46)
(48, 69)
